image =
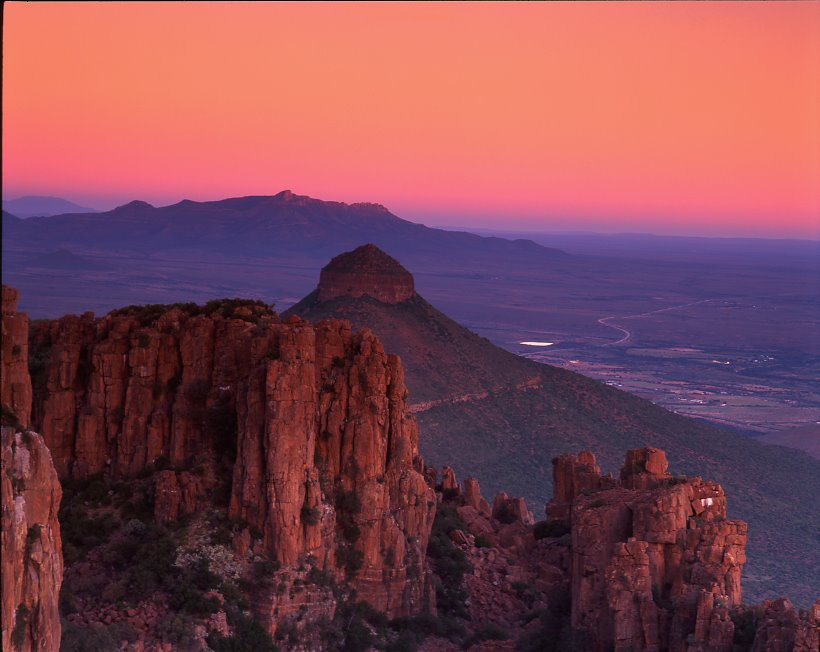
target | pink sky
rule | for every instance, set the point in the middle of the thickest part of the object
(663, 117)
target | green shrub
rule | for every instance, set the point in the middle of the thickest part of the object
(96, 491)
(177, 628)
(82, 531)
(189, 599)
(95, 638)
(349, 558)
(247, 635)
(266, 567)
(406, 641)
(488, 632)
(147, 314)
(347, 506)
(352, 628)
(482, 541)
(449, 562)
(319, 577)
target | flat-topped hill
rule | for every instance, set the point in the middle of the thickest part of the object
(366, 270)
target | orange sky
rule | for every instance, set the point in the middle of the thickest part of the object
(662, 117)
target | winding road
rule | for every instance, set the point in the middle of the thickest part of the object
(604, 321)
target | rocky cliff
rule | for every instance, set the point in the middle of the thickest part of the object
(647, 561)
(15, 383)
(655, 562)
(326, 457)
(32, 552)
(282, 457)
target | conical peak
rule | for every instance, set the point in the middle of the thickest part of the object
(366, 270)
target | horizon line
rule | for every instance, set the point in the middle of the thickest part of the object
(468, 227)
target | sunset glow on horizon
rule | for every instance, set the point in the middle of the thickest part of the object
(685, 118)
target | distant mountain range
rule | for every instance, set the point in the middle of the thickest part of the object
(285, 224)
(37, 206)
(503, 418)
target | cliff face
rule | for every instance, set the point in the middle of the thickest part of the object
(32, 552)
(647, 562)
(783, 629)
(326, 459)
(369, 271)
(655, 564)
(327, 463)
(32, 565)
(326, 477)
(15, 381)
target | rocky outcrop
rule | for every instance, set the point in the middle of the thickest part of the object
(15, 383)
(32, 551)
(177, 494)
(328, 467)
(508, 509)
(325, 457)
(782, 628)
(449, 484)
(655, 563)
(366, 271)
(473, 498)
(647, 562)
(573, 475)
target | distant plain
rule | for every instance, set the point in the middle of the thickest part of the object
(722, 329)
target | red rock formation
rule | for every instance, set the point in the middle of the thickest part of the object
(644, 468)
(473, 498)
(449, 483)
(652, 565)
(327, 462)
(176, 494)
(369, 271)
(571, 476)
(783, 629)
(511, 510)
(15, 382)
(655, 563)
(32, 551)
(330, 468)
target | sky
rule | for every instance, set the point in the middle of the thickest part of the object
(677, 118)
